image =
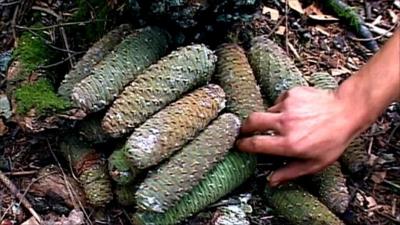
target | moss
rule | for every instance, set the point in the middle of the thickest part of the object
(39, 96)
(31, 52)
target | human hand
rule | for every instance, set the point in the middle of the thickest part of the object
(311, 125)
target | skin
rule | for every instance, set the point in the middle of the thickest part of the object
(315, 126)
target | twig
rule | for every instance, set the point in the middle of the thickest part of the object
(5, 4)
(286, 26)
(280, 21)
(388, 217)
(388, 33)
(59, 62)
(60, 25)
(71, 192)
(370, 145)
(392, 184)
(62, 31)
(20, 173)
(14, 22)
(14, 190)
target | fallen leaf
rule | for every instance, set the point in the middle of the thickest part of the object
(323, 17)
(295, 5)
(30, 221)
(339, 71)
(394, 16)
(281, 30)
(378, 177)
(377, 20)
(274, 14)
(313, 12)
(322, 30)
(3, 128)
(370, 202)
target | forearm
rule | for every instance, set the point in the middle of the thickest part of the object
(374, 87)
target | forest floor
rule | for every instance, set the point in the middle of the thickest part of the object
(316, 43)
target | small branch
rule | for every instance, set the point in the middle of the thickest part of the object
(60, 25)
(14, 190)
(5, 4)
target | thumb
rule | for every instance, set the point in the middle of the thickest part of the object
(293, 170)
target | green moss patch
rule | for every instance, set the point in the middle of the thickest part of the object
(39, 96)
(31, 52)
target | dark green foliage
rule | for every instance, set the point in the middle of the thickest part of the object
(298, 206)
(166, 186)
(236, 77)
(164, 82)
(93, 56)
(90, 168)
(39, 96)
(171, 128)
(332, 189)
(120, 169)
(274, 70)
(226, 176)
(134, 54)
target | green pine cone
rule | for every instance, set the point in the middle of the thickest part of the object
(355, 158)
(94, 55)
(332, 189)
(299, 207)
(166, 186)
(90, 129)
(163, 83)
(331, 183)
(274, 70)
(323, 80)
(107, 79)
(91, 170)
(175, 125)
(125, 194)
(227, 175)
(236, 77)
(120, 169)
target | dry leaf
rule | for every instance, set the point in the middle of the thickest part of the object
(322, 30)
(371, 202)
(315, 13)
(378, 177)
(339, 71)
(295, 5)
(3, 128)
(30, 221)
(394, 16)
(323, 17)
(281, 30)
(274, 14)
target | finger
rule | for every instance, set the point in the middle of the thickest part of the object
(293, 170)
(277, 108)
(272, 145)
(260, 122)
(281, 97)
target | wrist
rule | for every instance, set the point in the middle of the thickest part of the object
(358, 108)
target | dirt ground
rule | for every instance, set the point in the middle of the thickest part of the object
(316, 43)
